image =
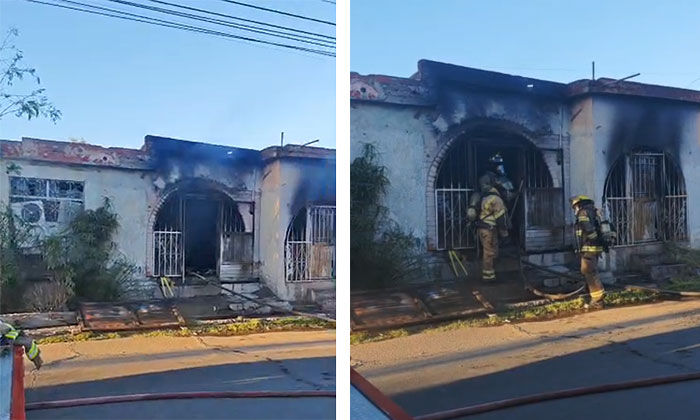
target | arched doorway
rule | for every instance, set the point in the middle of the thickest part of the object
(202, 230)
(537, 213)
(309, 246)
(645, 198)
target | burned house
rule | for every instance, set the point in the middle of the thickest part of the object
(632, 147)
(186, 207)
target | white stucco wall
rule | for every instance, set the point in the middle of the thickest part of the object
(402, 136)
(127, 191)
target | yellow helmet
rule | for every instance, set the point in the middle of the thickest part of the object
(579, 198)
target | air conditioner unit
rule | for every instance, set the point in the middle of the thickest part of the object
(32, 214)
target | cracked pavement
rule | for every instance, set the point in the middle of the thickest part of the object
(281, 361)
(436, 371)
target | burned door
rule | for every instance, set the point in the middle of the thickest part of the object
(645, 199)
(236, 226)
(544, 227)
(644, 179)
(310, 245)
(322, 239)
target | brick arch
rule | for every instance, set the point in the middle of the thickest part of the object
(162, 198)
(446, 141)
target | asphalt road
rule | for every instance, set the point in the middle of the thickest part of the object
(437, 371)
(264, 362)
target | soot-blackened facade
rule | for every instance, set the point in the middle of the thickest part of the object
(187, 207)
(630, 146)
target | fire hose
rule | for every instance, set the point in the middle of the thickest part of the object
(176, 396)
(557, 395)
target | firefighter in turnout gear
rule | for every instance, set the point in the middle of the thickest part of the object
(495, 176)
(492, 225)
(591, 241)
(10, 336)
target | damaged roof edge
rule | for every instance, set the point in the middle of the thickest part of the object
(83, 154)
(436, 71)
(297, 151)
(613, 87)
(420, 88)
(72, 153)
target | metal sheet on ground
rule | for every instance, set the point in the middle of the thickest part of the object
(448, 300)
(127, 316)
(388, 308)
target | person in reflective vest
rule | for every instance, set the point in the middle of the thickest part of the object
(590, 244)
(10, 336)
(492, 226)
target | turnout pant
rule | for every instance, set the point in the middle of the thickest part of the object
(589, 269)
(489, 249)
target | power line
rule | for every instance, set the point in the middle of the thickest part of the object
(328, 1)
(194, 9)
(269, 32)
(176, 25)
(279, 12)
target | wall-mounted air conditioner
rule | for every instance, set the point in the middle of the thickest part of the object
(30, 212)
(32, 215)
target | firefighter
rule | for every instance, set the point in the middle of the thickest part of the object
(492, 225)
(591, 242)
(495, 176)
(10, 336)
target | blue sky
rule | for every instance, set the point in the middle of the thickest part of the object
(117, 81)
(554, 40)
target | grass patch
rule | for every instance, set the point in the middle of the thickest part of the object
(540, 313)
(250, 326)
(367, 337)
(685, 284)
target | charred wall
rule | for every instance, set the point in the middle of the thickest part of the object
(286, 186)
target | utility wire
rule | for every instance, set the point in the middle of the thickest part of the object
(175, 25)
(279, 12)
(194, 9)
(269, 32)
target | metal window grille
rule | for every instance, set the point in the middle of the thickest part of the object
(168, 240)
(453, 189)
(61, 199)
(310, 245)
(646, 199)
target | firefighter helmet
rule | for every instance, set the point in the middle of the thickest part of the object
(578, 199)
(496, 159)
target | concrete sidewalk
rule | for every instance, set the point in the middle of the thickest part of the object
(104, 359)
(435, 371)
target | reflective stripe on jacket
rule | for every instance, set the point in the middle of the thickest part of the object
(8, 331)
(492, 208)
(587, 231)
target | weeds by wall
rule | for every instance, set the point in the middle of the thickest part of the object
(381, 253)
(84, 257)
(80, 263)
(13, 234)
